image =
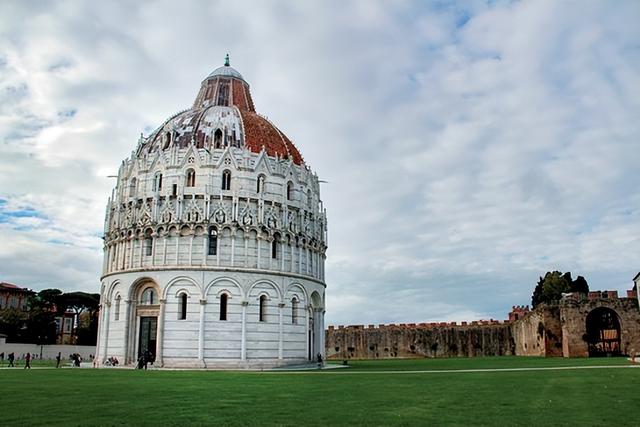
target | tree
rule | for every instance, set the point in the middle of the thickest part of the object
(580, 285)
(41, 322)
(550, 288)
(13, 324)
(52, 299)
(79, 302)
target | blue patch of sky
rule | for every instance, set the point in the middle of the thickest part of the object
(59, 242)
(68, 113)
(7, 215)
(59, 65)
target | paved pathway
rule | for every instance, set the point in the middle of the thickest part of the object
(466, 371)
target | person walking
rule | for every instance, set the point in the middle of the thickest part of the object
(11, 358)
(58, 358)
(27, 361)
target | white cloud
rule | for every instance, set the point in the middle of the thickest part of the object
(468, 148)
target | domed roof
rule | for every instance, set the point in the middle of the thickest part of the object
(225, 71)
(223, 115)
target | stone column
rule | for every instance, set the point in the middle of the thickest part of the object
(131, 252)
(243, 348)
(178, 237)
(102, 353)
(233, 247)
(317, 332)
(141, 249)
(160, 336)
(205, 248)
(154, 247)
(280, 331)
(259, 249)
(128, 307)
(307, 312)
(193, 236)
(322, 337)
(203, 302)
(246, 249)
(218, 238)
(164, 248)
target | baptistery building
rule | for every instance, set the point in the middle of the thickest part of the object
(214, 243)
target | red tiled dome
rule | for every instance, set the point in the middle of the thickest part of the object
(223, 103)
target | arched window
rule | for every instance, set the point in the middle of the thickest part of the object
(260, 186)
(223, 306)
(213, 241)
(217, 139)
(191, 178)
(167, 140)
(263, 308)
(157, 182)
(274, 246)
(223, 93)
(116, 315)
(149, 297)
(289, 190)
(148, 243)
(226, 180)
(182, 306)
(309, 199)
(133, 187)
(294, 311)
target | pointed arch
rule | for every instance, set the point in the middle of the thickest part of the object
(226, 179)
(190, 178)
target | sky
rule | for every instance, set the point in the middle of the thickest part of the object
(468, 147)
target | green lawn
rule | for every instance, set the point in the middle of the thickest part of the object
(359, 395)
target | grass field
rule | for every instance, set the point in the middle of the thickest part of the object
(366, 393)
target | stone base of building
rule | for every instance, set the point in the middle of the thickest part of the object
(215, 365)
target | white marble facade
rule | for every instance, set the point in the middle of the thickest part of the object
(214, 248)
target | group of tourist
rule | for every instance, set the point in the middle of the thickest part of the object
(11, 359)
(29, 357)
(112, 361)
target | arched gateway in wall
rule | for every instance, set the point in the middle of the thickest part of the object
(215, 242)
(603, 332)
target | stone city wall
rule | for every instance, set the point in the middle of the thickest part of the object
(549, 331)
(467, 339)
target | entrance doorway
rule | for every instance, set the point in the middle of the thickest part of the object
(148, 334)
(603, 333)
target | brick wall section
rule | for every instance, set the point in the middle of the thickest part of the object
(539, 332)
(483, 338)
